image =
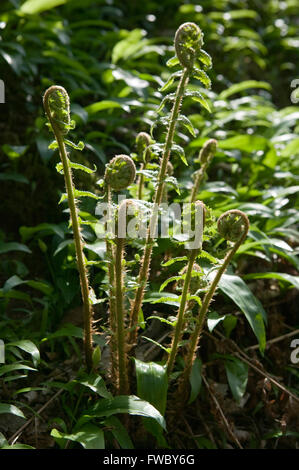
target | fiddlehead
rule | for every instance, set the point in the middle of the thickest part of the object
(120, 172)
(57, 107)
(143, 141)
(188, 42)
(205, 156)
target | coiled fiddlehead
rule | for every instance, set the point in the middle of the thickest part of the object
(205, 156)
(233, 225)
(188, 42)
(120, 172)
(57, 107)
(143, 141)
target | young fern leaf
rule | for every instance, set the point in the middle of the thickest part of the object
(178, 331)
(171, 79)
(57, 108)
(233, 225)
(205, 157)
(120, 173)
(143, 142)
(188, 41)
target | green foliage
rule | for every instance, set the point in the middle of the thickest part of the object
(116, 61)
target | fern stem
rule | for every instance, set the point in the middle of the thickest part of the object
(123, 384)
(182, 308)
(111, 277)
(87, 308)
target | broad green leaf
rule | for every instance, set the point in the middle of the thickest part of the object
(66, 60)
(32, 7)
(195, 379)
(13, 246)
(45, 229)
(95, 383)
(292, 148)
(237, 375)
(14, 151)
(15, 281)
(119, 432)
(17, 446)
(14, 294)
(235, 288)
(89, 436)
(247, 143)
(13, 367)
(126, 404)
(213, 319)
(11, 409)
(152, 383)
(102, 106)
(27, 346)
(243, 86)
(18, 177)
(229, 324)
(126, 47)
(294, 280)
(75, 331)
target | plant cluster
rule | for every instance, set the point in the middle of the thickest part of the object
(152, 327)
(120, 173)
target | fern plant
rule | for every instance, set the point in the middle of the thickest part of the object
(120, 174)
(188, 47)
(57, 108)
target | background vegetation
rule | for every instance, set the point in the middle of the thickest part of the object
(111, 57)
